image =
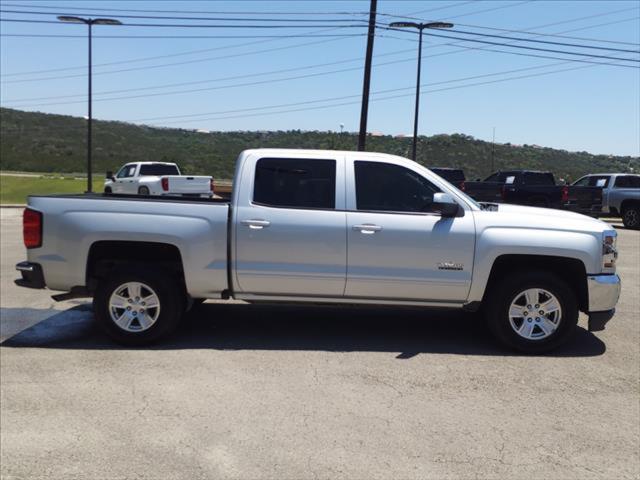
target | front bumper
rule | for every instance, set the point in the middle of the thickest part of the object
(32, 276)
(604, 291)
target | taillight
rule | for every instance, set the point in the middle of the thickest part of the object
(565, 193)
(32, 228)
(211, 184)
(165, 184)
(503, 192)
(462, 187)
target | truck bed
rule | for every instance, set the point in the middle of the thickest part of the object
(74, 224)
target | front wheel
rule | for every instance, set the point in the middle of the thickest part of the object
(143, 191)
(532, 312)
(137, 306)
(631, 217)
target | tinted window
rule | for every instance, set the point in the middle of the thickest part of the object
(159, 169)
(387, 187)
(295, 183)
(628, 181)
(532, 178)
(450, 175)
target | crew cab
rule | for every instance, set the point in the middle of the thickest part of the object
(620, 195)
(322, 226)
(538, 189)
(157, 178)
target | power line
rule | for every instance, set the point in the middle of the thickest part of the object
(189, 52)
(185, 62)
(180, 25)
(562, 52)
(277, 80)
(394, 96)
(226, 19)
(591, 39)
(537, 67)
(219, 79)
(184, 11)
(549, 42)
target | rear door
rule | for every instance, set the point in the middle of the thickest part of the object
(398, 247)
(290, 226)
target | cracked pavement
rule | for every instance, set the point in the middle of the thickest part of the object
(244, 391)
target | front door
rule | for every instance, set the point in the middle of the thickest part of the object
(290, 228)
(398, 247)
(124, 180)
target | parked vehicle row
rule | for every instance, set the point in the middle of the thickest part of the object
(324, 227)
(614, 194)
(157, 178)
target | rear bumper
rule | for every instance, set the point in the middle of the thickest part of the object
(32, 276)
(604, 291)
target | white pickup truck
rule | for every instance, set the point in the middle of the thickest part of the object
(325, 227)
(620, 195)
(157, 178)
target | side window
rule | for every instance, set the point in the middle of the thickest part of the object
(492, 178)
(391, 188)
(296, 183)
(583, 182)
(126, 171)
(627, 181)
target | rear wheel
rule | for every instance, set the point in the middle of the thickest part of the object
(143, 191)
(631, 217)
(532, 312)
(138, 307)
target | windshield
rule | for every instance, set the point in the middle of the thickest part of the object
(159, 169)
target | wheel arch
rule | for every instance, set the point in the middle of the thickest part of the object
(570, 270)
(107, 255)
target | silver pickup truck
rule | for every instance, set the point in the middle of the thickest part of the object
(324, 227)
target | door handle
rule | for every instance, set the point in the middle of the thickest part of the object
(256, 224)
(367, 228)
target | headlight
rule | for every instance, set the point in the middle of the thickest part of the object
(609, 251)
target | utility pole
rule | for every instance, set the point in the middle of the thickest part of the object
(493, 149)
(364, 111)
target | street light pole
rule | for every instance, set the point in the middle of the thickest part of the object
(420, 27)
(89, 22)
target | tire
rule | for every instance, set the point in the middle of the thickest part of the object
(108, 190)
(143, 191)
(533, 331)
(631, 217)
(140, 324)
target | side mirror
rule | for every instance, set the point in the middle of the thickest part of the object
(109, 175)
(445, 204)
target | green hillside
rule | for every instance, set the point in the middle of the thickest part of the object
(55, 143)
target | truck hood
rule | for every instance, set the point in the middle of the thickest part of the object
(543, 218)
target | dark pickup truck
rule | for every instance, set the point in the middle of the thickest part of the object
(538, 189)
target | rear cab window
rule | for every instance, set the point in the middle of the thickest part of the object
(538, 178)
(295, 183)
(627, 181)
(158, 169)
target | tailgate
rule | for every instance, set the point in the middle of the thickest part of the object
(585, 197)
(189, 185)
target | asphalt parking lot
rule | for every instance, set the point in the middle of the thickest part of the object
(282, 392)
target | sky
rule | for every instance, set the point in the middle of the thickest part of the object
(310, 77)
